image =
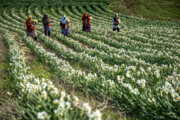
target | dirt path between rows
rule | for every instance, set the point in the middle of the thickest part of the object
(8, 106)
(3, 63)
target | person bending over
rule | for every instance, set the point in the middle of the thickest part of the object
(31, 30)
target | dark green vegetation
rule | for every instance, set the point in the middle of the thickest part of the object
(168, 10)
(150, 9)
(51, 2)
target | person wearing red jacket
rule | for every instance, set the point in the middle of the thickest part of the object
(30, 24)
(86, 22)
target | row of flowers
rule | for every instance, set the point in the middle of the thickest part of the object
(42, 99)
(168, 57)
(63, 49)
(53, 17)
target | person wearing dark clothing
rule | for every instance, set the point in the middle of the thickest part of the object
(116, 21)
(46, 24)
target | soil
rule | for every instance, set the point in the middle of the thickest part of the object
(128, 5)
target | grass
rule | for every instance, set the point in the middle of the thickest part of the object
(8, 104)
(3, 69)
(40, 70)
(120, 6)
(5, 84)
(167, 10)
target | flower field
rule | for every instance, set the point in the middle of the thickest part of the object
(137, 69)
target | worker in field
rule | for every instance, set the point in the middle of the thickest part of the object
(67, 28)
(31, 30)
(46, 24)
(86, 22)
(116, 22)
(63, 23)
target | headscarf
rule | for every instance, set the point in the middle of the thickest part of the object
(85, 16)
(45, 17)
(29, 17)
(64, 21)
(116, 15)
(68, 21)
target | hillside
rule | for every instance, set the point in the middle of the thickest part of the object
(150, 9)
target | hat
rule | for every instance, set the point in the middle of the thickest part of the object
(68, 20)
(29, 17)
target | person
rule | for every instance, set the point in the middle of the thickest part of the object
(86, 23)
(31, 30)
(46, 24)
(116, 21)
(63, 23)
(67, 29)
